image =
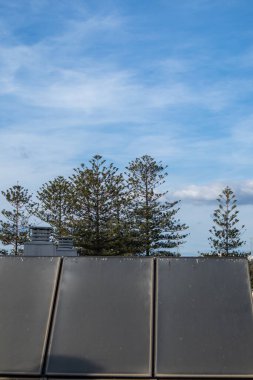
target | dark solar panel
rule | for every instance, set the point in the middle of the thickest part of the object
(103, 318)
(26, 294)
(204, 318)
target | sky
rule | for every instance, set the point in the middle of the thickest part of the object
(124, 78)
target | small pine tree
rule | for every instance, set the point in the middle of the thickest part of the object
(225, 239)
(154, 229)
(54, 205)
(4, 252)
(14, 228)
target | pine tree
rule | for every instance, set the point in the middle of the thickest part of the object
(154, 229)
(97, 220)
(4, 252)
(14, 228)
(225, 239)
(251, 272)
(55, 205)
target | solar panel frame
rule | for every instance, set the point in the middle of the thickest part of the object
(27, 291)
(174, 335)
(144, 307)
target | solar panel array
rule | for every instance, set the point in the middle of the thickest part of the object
(125, 317)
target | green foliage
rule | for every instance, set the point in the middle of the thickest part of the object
(251, 272)
(14, 228)
(54, 205)
(97, 208)
(4, 252)
(225, 239)
(108, 214)
(153, 227)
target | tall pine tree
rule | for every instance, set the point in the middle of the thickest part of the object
(225, 239)
(97, 208)
(54, 207)
(154, 228)
(14, 228)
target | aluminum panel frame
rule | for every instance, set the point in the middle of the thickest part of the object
(204, 325)
(103, 321)
(27, 291)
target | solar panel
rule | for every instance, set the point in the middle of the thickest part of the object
(204, 323)
(103, 320)
(27, 288)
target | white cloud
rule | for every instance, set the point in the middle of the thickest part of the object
(40, 75)
(13, 59)
(196, 193)
(247, 187)
(209, 193)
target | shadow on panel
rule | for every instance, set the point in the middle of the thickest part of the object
(70, 365)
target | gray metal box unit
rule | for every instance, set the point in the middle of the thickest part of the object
(27, 290)
(103, 319)
(204, 321)
(40, 244)
(65, 247)
(40, 249)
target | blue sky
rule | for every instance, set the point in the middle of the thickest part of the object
(172, 79)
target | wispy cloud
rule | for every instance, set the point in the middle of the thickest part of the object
(46, 76)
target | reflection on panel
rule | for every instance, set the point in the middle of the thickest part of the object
(204, 317)
(26, 293)
(103, 318)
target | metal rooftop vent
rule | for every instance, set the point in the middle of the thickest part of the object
(65, 242)
(65, 247)
(40, 233)
(125, 318)
(40, 244)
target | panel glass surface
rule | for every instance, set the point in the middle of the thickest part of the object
(204, 318)
(103, 318)
(26, 294)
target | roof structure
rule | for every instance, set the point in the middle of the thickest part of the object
(114, 317)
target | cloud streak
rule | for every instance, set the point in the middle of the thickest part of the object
(208, 194)
(48, 75)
